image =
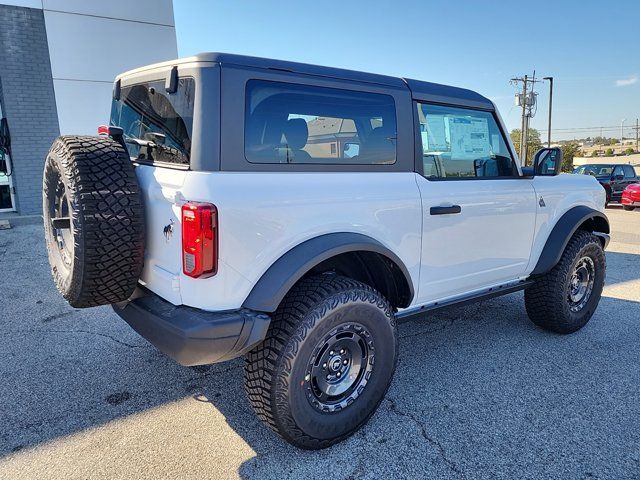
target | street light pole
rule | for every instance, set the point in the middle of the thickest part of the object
(550, 104)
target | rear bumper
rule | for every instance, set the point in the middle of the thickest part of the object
(191, 336)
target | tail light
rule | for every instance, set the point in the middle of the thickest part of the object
(199, 239)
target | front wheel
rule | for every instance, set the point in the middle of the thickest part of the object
(327, 361)
(564, 299)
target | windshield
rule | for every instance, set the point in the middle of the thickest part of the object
(146, 109)
(597, 170)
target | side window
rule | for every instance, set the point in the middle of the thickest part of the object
(462, 143)
(290, 123)
(618, 172)
(629, 172)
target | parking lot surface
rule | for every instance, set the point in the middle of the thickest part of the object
(479, 392)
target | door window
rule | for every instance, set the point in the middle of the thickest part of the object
(459, 143)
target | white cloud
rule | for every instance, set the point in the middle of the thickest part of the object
(624, 82)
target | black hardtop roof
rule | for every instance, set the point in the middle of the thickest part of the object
(426, 91)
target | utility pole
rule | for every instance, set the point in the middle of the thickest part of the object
(622, 135)
(527, 101)
(637, 129)
(550, 104)
(523, 132)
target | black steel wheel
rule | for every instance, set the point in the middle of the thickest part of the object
(326, 363)
(60, 218)
(581, 283)
(340, 367)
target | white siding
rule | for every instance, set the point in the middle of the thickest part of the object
(85, 105)
(23, 3)
(97, 49)
(91, 42)
(148, 11)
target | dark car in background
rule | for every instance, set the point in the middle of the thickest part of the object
(614, 178)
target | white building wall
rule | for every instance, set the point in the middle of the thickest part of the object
(23, 3)
(90, 42)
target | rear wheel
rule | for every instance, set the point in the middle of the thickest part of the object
(326, 363)
(93, 220)
(564, 299)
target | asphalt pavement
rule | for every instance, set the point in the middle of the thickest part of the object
(479, 392)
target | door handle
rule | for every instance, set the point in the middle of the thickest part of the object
(445, 210)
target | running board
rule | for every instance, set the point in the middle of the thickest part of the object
(410, 314)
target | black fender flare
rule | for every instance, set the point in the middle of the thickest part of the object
(564, 229)
(268, 292)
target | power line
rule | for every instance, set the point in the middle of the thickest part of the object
(574, 129)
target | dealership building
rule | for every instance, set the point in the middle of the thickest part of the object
(58, 59)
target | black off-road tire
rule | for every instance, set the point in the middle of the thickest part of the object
(275, 372)
(628, 208)
(548, 303)
(97, 255)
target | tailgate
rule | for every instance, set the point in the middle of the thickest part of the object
(163, 254)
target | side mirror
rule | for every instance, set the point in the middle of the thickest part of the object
(547, 162)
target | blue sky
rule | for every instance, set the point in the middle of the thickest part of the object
(591, 48)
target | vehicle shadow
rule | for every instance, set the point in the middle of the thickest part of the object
(478, 380)
(478, 389)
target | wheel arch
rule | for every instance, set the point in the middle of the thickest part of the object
(574, 219)
(352, 254)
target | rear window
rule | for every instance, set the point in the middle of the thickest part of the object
(597, 170)
(291, 123)
(147, 113)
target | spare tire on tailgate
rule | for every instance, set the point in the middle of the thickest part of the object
(93, 220)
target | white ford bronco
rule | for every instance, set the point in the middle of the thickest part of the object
(293, 214)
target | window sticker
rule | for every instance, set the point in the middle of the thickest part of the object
(469, 137)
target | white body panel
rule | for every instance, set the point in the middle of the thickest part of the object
(561, 193)
(487, 243)
(262, 216)
(495, 240)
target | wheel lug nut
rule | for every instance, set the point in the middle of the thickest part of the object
(345, 361)
(324, 365)
(341, 351)
(338, 374)
(331, 352)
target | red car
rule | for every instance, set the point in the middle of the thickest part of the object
(631, 196)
